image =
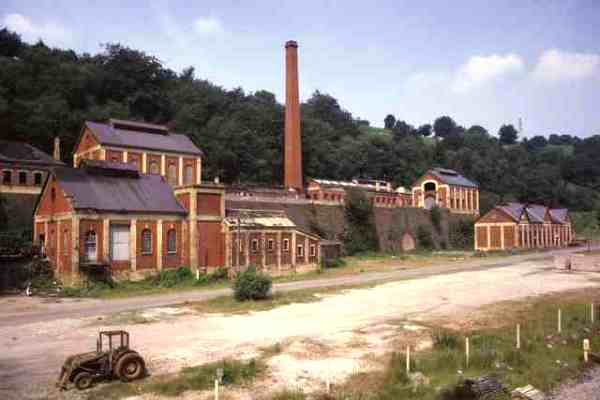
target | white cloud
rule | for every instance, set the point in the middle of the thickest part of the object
(208, 26)
(559, 66)
(481, 69)
(51, 33)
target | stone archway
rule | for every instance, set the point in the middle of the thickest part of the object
(429, 193)
(408, 242)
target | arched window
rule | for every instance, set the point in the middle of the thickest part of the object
(154, 168)
(22, 178)
(7, 177)
(172, 174)
(90, 246)
(172, 241)
(146, 241)
(189, 175)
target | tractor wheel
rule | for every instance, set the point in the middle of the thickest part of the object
(129, 367)
(83, 380)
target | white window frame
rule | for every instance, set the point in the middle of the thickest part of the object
(300, 250)
(126, 255)
(174, 231)
(143, 250)
(88, 244)
(270, 245)
(255, 246)
(313, 250)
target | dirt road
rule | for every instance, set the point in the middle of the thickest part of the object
(347, 328)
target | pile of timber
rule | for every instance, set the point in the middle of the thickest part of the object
(527, 393)
(485, 388)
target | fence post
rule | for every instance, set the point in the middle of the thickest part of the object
(408, 359)
(559, 321)
(467, 350)
(586, 349)
(518, 336)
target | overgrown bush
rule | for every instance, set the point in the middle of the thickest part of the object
(334, 263)
(425, 237)
(462, 232)
(436, 218)
(360, 234)
(252, 285)
(444, 340)
(172, 277)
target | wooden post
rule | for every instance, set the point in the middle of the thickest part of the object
(216, 389)
(408, 359)
(559, 321)
(467, 352)
(586, 349)
(518, 336)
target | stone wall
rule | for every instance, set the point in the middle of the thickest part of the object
(329, 222)
(18, 209)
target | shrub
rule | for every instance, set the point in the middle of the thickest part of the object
(334, 263)
(360, 234)
(172, 277)
(425, 237)
(462, 232)
(444, 340)
(436, 218)
(252, 285)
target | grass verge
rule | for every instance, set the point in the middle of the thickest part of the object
(192, 378)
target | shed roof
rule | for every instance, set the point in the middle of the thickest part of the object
(92, 189)
(535, 212)
(142, 136)
(451, 177)
(18, 152)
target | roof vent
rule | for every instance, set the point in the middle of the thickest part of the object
(139, 127)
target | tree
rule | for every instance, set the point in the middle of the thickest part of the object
(444, 126)
(402, 129)
(508, 134)
(424, 130)
(389, 121)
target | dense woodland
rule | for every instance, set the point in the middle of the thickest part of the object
(46, 92)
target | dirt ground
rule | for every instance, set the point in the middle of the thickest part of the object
(323, 341)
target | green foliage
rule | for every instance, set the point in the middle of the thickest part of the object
(334, 263)
(168, 278)
(436, 218)
(444, 340)
(252, 285)
(360, 234)
(425, 237)
(461, 233)
(45, 92)
(508, 134)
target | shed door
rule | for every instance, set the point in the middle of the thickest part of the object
(119, 242)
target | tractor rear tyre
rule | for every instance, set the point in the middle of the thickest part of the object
(83, 380)
(130, 367)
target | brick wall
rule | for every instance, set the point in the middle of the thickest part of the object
(210, 244)
(172, 260)
(146, 260)
(86, 225)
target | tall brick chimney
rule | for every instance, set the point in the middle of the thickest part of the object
(292, 142)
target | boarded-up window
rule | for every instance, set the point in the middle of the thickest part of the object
(189, 175)
(6, 177)
(482, 239)
(119, 242)
(171, 241)
(172, 174)
(286, 244)
(146, 241)
(90, 246)
(495, 239)
(154, 168)
(22, 178)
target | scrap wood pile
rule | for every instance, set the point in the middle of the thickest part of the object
(527, 393)
(486, 388)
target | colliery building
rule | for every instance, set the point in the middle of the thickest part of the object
(525, 226)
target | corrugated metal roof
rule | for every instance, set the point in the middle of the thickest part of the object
(513, 209)
(24, 153)
(559, 215)
(452, 177)
(172, 142)
(536, 213)
(143, 194)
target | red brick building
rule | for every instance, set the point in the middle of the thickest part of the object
(448, 189)
(516, 225)
(323, 191)
(153, 149)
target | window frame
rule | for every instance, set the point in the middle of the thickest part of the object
(7, 173)
(87, 243)
(173, 249)
(286, 245)
(37, 174)
(270, 245)
(299, 250)
(21, 174)
(152, 165)
(143, 250)
(188, 174)
(172, 177)
(313, 250)
(254, 246)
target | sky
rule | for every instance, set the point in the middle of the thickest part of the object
(480, 62)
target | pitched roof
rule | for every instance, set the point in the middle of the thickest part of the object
(95, 189)
(535, 212)
(257, 219)
(452, 177)
(24, 153)
(142, 136)
(559, 215)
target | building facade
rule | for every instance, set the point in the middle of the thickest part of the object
(381, 194)
(152, 149)
(446, 188)
(517, 225)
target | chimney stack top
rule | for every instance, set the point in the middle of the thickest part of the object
(291, 43)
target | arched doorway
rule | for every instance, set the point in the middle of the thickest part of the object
(430, 190)
(408, 243)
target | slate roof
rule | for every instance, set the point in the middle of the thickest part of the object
(24, 153)
(90, 189)
(535, 212)
(452, 177)
(258, 219)
(115, 133)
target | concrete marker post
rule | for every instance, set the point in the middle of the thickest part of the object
(407, 359)
(518, 336)
(559, 321)
(467, 350)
